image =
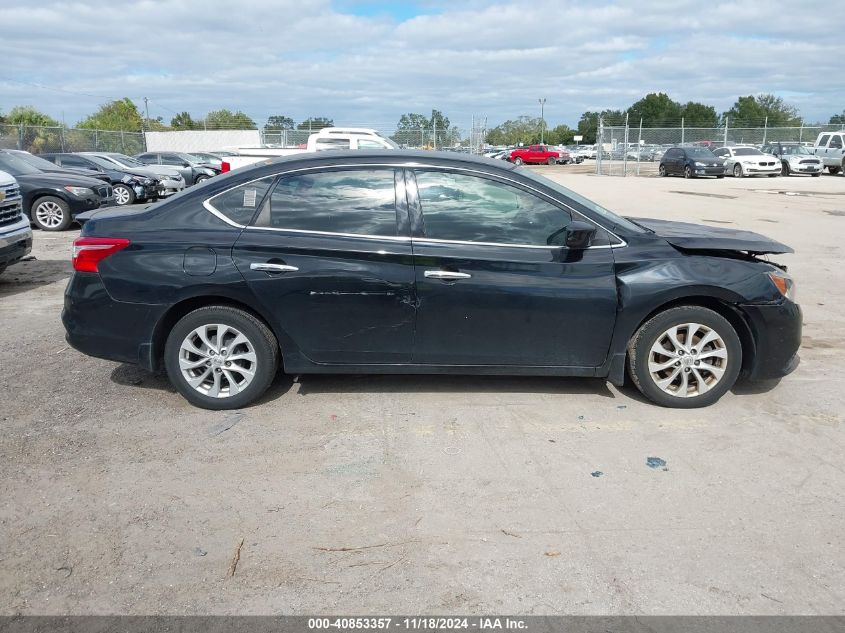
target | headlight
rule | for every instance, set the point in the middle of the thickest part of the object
(700, 164)
(748, 162)
(784, 284)
(164, 177)
(79, 191)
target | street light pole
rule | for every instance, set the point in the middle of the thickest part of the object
(542, 118)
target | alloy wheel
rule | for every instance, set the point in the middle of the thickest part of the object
(49, 214)
(688, 360)
(121, 195)
(217, 360)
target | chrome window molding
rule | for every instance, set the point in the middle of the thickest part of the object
(407, 165)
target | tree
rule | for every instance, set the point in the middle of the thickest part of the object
(588, 125)
(655, 110)
(417, 129)
(560, 135)
(699, 115)
(183, 121)
(278, 122)
(121, 114)
(523, 129)
(228, 120)
(753, 111)
(838, 119)
(315, 123)
(27, 115)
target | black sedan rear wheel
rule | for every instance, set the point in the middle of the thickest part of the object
(685, 357)
(220, 357)
(688, 172)
(661, 171)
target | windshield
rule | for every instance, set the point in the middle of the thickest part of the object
(795, 149)
(389, 141)
(16, 166)
(700, 152)
(612, 220)
(124, 160)
(747, 151)
(37, 162)
(99, 160)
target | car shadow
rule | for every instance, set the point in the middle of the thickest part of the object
(443, 383)
(749, 388)
(33, 273)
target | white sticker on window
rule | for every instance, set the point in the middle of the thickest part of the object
(250, 196)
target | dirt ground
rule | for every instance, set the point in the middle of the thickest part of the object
(432, 495)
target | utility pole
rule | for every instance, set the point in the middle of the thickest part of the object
(147, 110)
(542, 103)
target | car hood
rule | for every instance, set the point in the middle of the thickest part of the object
(52, 179)
(58, 171)
(152, 171)
(699, 237)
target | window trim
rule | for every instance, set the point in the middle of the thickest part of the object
(407, 165)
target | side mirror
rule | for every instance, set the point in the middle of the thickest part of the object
(579, 234)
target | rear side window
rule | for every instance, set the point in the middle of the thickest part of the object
(836, 141)
(241, 203)
(467, 208)
(76, 161)
(353, 201)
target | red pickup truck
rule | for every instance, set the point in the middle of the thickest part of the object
(534, 154)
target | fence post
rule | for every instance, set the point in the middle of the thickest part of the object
(599, 143)
(122, 143)
(765, 129)
(801, 132)
(434, 136)
(639, 145)
(682, 130)
(62, 137)
(725, 142)
(20, 135)
(96, 141)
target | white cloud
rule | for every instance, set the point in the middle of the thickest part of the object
(478, 57)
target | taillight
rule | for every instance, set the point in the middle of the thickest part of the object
(90, 251)
(224, 167)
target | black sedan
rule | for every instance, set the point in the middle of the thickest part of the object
(691, 162)
(419, 262)
(129, 187)
(52, 200)
(44, 165)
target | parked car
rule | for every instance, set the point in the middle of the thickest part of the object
(15, 234)
(748, 161)
(206, 158)
(830, 148)
(129, 187)
(171, 180)
(795, 158)
(51, 201)
(691, 162)
(42, 164)
(587, 151)
(193, 172)
(423, 262)
(534, 154)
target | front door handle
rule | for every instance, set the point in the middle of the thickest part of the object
(273, 268)
(446, 274)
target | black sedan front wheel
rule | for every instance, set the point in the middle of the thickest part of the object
(685, 357)
(661, 171)
(688, 172)
(220, 357)
(123, 195)
(51, 214)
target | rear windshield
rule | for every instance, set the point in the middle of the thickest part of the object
(747, 151)
(700, 152)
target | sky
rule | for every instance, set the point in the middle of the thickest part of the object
(366, 63)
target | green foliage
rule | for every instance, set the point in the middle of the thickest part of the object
(838, 119)
(27, 115)
(655, 110)
(560, 135)
(279, 122)
(418, 130)
(228, 120)
(315, 123)
(753, 111)
(183, 121)
(121, 114)
(699, 115)
(524, 129)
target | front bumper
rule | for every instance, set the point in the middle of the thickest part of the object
(15, 242)
(812, 168)
(761, 169)
(709, 171)
(777, 336)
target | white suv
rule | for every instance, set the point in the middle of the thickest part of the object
(15, 234)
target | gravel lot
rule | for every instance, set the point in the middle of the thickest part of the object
(348, 494)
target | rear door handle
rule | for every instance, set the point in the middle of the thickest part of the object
(445, 274)
(273, 268)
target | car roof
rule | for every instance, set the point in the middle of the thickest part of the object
(396, 155)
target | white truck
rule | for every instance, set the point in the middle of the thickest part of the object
(330, 138)
(15, 234)
(830, 148)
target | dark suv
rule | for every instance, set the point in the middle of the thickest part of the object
(128, 186)
(193, 171)
(691, 162)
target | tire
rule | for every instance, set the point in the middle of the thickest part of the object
(551, 161)
(50, 214)
(688, 172)
(719, 177)
(201, 179)
(723, 354)
(833, 170)
(257, 352)
(784, 169)
(815, 175)
(661, 171)
(517, 161)
(738, 171)
(773, 175)
(123, 195)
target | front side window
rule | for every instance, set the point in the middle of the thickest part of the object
(241, 203)
(824, 139)
(836, 141)
(332, 143)
(352, 201)
(76, 161)
(471, 209)
(171, 159)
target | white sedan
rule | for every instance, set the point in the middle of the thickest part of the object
(748, 161)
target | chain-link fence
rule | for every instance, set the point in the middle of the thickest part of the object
(38, 139)
(625, 150)
(417, 138)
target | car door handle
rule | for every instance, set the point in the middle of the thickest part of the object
(273, 268)
(445, 274)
